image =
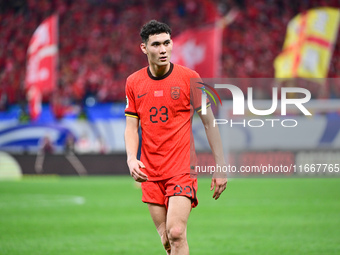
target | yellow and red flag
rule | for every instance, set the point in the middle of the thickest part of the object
(309, 44)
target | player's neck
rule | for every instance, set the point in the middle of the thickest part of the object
(159, 71)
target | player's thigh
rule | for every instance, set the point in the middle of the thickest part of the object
(158, 214)
(179, 209)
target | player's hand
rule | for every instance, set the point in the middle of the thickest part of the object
(135, 170)
(220, 185)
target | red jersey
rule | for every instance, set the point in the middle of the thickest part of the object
(164, 106)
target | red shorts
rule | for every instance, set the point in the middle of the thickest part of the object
(158, 192)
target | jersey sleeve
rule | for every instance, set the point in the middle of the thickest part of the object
(196, 92)
(130, 109)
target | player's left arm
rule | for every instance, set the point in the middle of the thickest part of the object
(219, 180)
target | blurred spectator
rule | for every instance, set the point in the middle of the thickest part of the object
(46, 147)
(69, 149)
(69, 146)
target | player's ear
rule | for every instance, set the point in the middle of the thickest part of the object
(143, 48)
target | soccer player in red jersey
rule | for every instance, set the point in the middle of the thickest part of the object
(159, 97)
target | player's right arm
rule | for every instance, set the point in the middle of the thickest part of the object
(131, 134)
(131, 145)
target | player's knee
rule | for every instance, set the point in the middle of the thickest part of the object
(176, 234)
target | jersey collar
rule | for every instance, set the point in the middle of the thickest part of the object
(163, 76)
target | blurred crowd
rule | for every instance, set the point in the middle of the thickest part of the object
(99, 41)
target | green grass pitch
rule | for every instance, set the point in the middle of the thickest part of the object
(104, 215)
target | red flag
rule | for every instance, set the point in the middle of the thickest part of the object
(158, 93)
(199, 49)
(42, 57)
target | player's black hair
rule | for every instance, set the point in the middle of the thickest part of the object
(153, 27)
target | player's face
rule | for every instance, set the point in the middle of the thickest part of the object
(158, 49)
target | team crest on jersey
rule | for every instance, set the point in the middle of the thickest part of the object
(175, 92)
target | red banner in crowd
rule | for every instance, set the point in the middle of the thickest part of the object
(200, 50)
(42, 57)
